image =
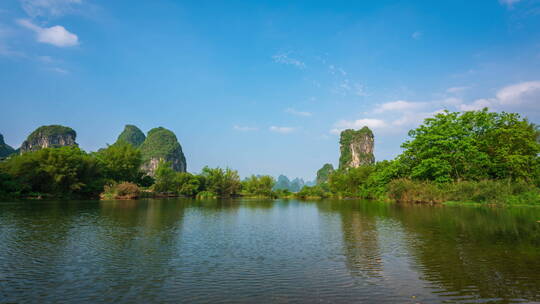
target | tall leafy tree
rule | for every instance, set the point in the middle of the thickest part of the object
(472, 145)
(121, 162)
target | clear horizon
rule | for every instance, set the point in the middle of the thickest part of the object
(262, 87)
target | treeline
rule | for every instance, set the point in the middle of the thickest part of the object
(115, 172)
(69, 172)
(476, 156)
(212, 183)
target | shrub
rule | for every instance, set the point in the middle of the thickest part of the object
(485, 191)
(312, 192)
(124, 190)
(409, 191)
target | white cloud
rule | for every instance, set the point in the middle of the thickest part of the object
(509, 3)
(46, 8)
(284, 58)
(455, 90)
(283, 130)
(452, 101)
(297, 113)
(412, 119)
(372, 123)
(244, 128)
(516, 97)
(398, 116)
(56, 35)
(417, 35)
(478, 104)
(519, 93)
(399, 105)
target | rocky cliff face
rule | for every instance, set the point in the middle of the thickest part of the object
(5, 149)
(356, 148)
(131, 135)
(324, 173)
(162, 144)
(52, 136)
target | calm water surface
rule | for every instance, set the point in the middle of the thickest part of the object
(282, 251)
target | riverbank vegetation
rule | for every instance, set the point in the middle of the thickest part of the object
(476, 156)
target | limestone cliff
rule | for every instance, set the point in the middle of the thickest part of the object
(356, 148)
(162, 144)
(52, 136)
(131, 135)
(324, 173)
(5, 149)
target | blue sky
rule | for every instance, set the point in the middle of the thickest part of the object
(262, 86)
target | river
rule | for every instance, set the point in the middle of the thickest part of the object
(266, 251)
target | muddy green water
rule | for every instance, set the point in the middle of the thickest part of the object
(259, 251)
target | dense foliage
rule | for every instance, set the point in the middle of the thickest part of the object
(211, 182)
(324, 173)
(479, 156)
(259, 186)
(472, 146)
(61, 172)
(52, 130)
(160, 143)
(486, 191)
(5, 149)
(121, 162)
(124, 190)
(131, 135)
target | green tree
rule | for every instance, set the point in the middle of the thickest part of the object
(348, 182)
(5, 149)
(221, 182)
(65, 171)
(165, 178)
(131, 135)
(472, 146)
(187, 184)
(259, 185)
(323, 174)
(121, 162)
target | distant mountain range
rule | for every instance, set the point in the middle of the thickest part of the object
(284, 183)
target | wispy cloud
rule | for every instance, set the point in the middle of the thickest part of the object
(6, 50)
(49, 8)
(284, 58)
(346, 87)
(55, 35)
(282, 130)
(399, 116)
(399, 105)
(372, 123)
(520, 96)
(59, 70)
(45, 59)
(297, 113)
(334, 70)
(509, 3)
(456, 90)
(244, 128)
(417, 35)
